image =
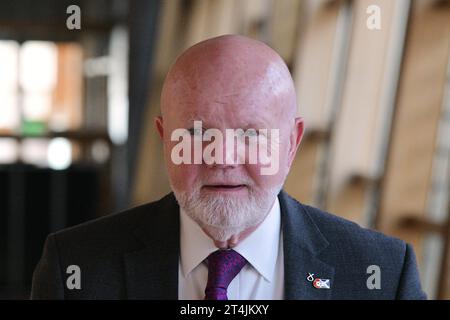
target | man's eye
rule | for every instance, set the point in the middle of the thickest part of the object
(251, 133)
(196, 131)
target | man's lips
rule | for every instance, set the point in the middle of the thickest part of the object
(224, 187)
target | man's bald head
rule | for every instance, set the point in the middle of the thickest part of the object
(230, 66)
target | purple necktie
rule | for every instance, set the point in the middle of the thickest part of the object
(223, 266)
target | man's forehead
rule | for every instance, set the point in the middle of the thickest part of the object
(228, 86)
(245, 99)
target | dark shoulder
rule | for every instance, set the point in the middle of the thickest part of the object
(114, 231)
(351, 239)
(349, 236)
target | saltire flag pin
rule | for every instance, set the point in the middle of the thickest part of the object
(318, 283)
(321, 283)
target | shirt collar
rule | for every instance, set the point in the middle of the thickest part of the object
(196, 246)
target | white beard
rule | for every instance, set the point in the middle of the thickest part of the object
(224, 216)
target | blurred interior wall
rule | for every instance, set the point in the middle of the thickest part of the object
(407, 181)
(144, 25)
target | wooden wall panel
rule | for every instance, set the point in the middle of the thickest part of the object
(408, 174)
(208, 19)
(357, 140)
(285, 23)
(313, 69)
(68, 94)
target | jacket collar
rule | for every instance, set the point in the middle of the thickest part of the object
(303, 244)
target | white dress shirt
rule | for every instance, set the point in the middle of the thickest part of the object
(262, 278)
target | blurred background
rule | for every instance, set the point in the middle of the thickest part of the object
(77, 105)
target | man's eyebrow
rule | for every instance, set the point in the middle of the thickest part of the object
(192, 118)
(256, 123)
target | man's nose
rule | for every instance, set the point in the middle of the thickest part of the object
(230, 157)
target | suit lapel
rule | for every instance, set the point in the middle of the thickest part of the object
(152, 271)
(302, 242)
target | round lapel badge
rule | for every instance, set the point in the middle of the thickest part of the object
(317, 283)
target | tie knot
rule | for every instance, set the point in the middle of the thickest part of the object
(223, 266)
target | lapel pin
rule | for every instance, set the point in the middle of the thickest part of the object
(310, 277)
(321, 283)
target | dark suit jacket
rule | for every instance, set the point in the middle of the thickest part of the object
(134, 255)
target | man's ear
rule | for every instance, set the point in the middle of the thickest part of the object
(159, 126)
(296, 138)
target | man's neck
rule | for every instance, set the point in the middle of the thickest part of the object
(234, 239)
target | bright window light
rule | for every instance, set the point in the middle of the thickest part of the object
(9, 111)
(8, 65)
(9, 150)
(34, 151)
(59, 154)
(36, 105)
(38, 65)
(118, 86)
(37, 78)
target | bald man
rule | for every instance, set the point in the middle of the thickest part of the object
(228, 231)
